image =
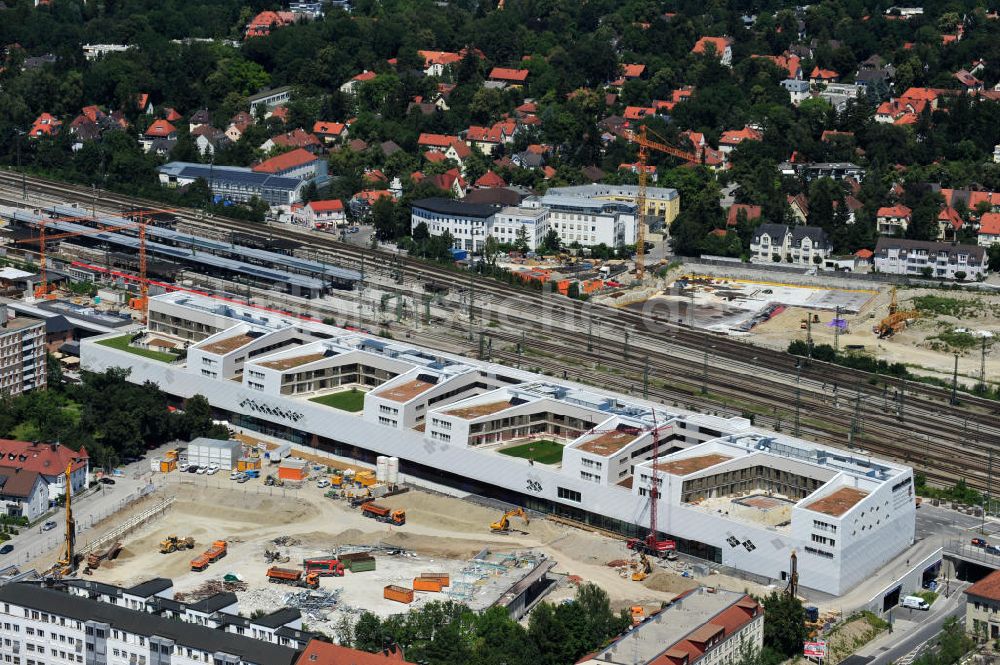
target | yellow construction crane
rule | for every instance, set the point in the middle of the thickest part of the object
(503, 524)
(645, 145)
(896, 320)
(67, 564)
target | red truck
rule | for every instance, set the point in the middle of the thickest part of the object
(294, 577)
(211, 555)
(324, 567)
(384, 514)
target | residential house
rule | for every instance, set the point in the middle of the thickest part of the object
(439, 142)
(44, 125)
(973, 200)
(893, 220)
(982, 607)
(361, 203)
(896, 110)
(504, 76)
(143, 103)
(23, 494)
(295, 139)
(49, 460)
(325, 653)
(490, 179)
(352, 86)
(199, 118)
(633, 71)
(799, 205)
(927, 95)
(389, 148)
(320, 214)
(898, 256)
(450, 181)
(840, 95)
(800, 245)
(969, 83)
(329, 132)
(458, 152)
(722, 47)
(263, 23)
(950, 222)
(298, 163)
(732, 138)
(238, 126)
(989, 229)
(751, 212)
(787, 62)
(812, 170)
(798, 91)
(208, 139)
(853, 206)
(820, 76)
(159, 130)
(635, 167)
(876, 75)
(437, 62)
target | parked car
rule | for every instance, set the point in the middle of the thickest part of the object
(242, 479)
(323, 482)
(48, 526)
(6, 549)
(212, 471)
(183, 466)
(979, 542)
(193, 468)
(107, 481)
(992, 549)
(202, 469)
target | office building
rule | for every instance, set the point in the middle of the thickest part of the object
(22, 353)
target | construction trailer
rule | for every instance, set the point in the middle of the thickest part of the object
(205, 452)
(293, 469)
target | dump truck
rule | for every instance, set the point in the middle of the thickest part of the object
(277, 575)
(384, 514)
(173, 543)
(324, 567)
(211, 555)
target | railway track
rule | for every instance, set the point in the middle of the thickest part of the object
(832, 400)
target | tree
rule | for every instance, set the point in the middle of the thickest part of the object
(784, 624)
(521, 241)
(491, 250)
(994, 257)
(550, 243)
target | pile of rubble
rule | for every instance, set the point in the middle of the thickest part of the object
(209, 589)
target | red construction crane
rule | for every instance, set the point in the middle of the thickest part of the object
(645, 145)
(651, 544)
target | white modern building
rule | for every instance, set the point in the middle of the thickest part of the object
(588, 221)
(101, 624)
(205, 452)
(468, 223)
(508, 223)
(447, 419)
(663, 204)
(898, 256)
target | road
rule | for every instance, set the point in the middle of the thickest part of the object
(920, 629)
(88, 510)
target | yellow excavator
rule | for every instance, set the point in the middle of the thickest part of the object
(896, 320)
(641, 568)
(503, 524)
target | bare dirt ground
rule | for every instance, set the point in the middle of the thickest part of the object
(912, 346)
(442, 533)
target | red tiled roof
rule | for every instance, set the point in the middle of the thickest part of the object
(988, 587)
(925, 94)
(720, 44)
(365, 76)
(864, 253)
(45, 125)
(325, 653)
(435, 156)
(16, 483)
(172, 115)
(894, 211)
(371, 196)
(328, 128)
(160, 129)
(951, 216)
(490, 179)
(753, 212)
(633, 71)
(638, 112)
(989, 224)
(790, 63)
(93, 113)
(506, 74)
(435, 140)
(297, 138)
(48, 459)
(737, 136)
(443, 58)
(823, 74)
(283, 162)
(329, 205)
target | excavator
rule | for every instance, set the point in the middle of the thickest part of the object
(503, 524)
(641, 568)
(896, 320)
(173, 543)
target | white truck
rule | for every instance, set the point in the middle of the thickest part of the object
(915, 603)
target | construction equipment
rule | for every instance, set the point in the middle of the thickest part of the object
(792, 589)
(503, 524)
(638, 614)
(652, 544)
(324, 567)
(297, 578)
(383, 514)
(896, 320)
(272, 481)
(645, 145)
(274, 557)
(171, 544)
(67, 564)
(641, 568)
(211, 555)
(359, 499)
(94, 559)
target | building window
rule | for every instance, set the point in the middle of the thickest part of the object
(570, 495)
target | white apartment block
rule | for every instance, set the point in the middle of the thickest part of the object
(468, 223)
(509, 221)
(588, 221)
(22, 354)
(448, 418)
(897, 256)
(798, 245)
(663, 204)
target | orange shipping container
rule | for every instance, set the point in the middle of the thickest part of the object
(247, 464)
(168, 465)
(426, 584)
(398, 593)
(291, 473)
(442, 578)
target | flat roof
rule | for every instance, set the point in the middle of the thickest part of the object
(289, 363)
(445, 206)
(839, 502)
(406, 391)
(478, 410)
(688, 465)
(609, 443)
(227, 345)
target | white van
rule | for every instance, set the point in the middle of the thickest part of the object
(915, 603)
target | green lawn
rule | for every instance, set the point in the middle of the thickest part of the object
(349, 400)
(121, 343)
(544, 451)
